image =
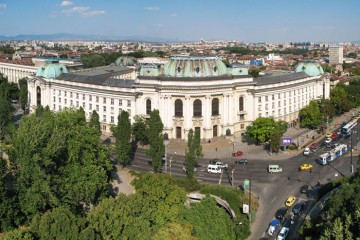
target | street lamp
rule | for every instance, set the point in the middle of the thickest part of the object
(166, 143)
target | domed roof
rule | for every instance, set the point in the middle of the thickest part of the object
(52, 70)
(194, 66)
(125, 61)
(310, 68)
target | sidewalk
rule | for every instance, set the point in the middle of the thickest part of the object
(222, 147)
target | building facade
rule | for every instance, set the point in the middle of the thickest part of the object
(15, 72)
(336, 54)
(191, 92)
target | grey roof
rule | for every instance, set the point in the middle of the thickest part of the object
(108, 70)
(265, 80)
(96, 80)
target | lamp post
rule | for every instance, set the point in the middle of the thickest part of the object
(166, 143)
(351, 154)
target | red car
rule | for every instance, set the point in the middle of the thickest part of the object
(334, 136)
(313, 145)
(238, 154)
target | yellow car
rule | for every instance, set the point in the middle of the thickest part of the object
(290, 201)
(305, 166)
(329, 134)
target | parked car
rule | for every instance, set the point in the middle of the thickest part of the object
(298, 208)
(280, 214)
(274, 226)
(328, 140)
(241, 161)
(305, 166)
(343, 124)
(314, 145)
(307, 151)
(304, 189)
(334, 136)
(283, 233)
(290, 201)
(328, 134)
(238, 153)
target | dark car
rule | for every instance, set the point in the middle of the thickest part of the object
(280, 214)
(347, 136)
(304, 189)
(339, 137)
(242, 161)
(298, 208)
(343, 124)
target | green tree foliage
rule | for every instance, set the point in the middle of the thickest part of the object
(262, 127)
(340, 99)
(208, 220)
(122, 134)
(193, 152)
(19, 234)
(154, 132)
(352, 55)
(23, 93)
(139, 130)
(58, 162)
(60, 223)
(310, 116)
(6, 109)
(99, 59)
(7, 49)
(254, 72)
(95, 121)
(275, 140)
(175, 231)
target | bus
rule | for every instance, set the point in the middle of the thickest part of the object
(347, 128)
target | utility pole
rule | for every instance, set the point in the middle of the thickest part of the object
(232, 175)
(250, 200)
(351, 154)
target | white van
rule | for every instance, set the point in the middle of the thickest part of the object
(275, 169)
(213, 169)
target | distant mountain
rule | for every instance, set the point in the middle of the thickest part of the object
(84, 37)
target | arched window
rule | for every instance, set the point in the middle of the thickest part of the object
(178, 108)
(38, 96)
(241, 104)
(197, 69)
(215, 69)
(179, 69)
(215, 107)
(197, 108)
(148, 106)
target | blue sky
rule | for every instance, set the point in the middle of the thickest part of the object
(241, 20)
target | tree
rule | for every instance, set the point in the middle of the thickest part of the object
(193, 151)
(139, 130)
(340, 99)
(23, 93)
(58, 162)
(260, 129)
(95, 121)
(123, 134)
(154, 132)
(254, 72)
(5, 105)
(275, 140)
(310, 116)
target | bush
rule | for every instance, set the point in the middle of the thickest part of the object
(189, 184)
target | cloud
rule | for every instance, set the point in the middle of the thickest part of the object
(2, 5)
(152, 8)
(76, 9)
(160, 25)
(93, 13)
(173, 15)
(66, 3)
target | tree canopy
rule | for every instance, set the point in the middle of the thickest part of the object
(261, 129)
(122, 133)
(310, 116)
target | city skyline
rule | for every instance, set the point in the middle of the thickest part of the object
(247, 21)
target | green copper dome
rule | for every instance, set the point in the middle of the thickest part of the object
(194, 66)
(310, 68)
(52, 70)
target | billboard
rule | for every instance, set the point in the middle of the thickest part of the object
(285, 141)
(246, 184)
(245, 208)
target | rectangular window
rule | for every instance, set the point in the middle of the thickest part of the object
(266, 98)
(279, 104)
(259, 108)
(273, 105)
(266, 107)
(273, 113)
(104, 108)
(242, 116)
(59, 100)
(54, 93)
(259, 99)
(83, 105)
(112, 110)
(71, 103)
(70, 94)
(259, 115)
(279, 112)
(120, 110)
(242, 126)
(112, 119)
(90, 106)
(104, 100)
(65, 93)
(284, 110)
(60, 108)
(290, 109)
(77, 96)
(97, 108)
(279, 96)
(54, 106)
(84, 97)
(59, 93)
(289, 100)
(129, 103)
(112, 101)
(273, 97)
(65, 101)
(284, 103)
(129, 111)
(104, 118)
(90, 98)
(97, 99)
(77, 103)
(120, 102)
(267, 114)
(290, 94)
(54, 99)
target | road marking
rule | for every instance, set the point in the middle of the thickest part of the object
(273, 200)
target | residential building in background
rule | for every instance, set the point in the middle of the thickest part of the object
(336, 54)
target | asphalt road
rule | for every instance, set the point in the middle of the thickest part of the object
(271, 189)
